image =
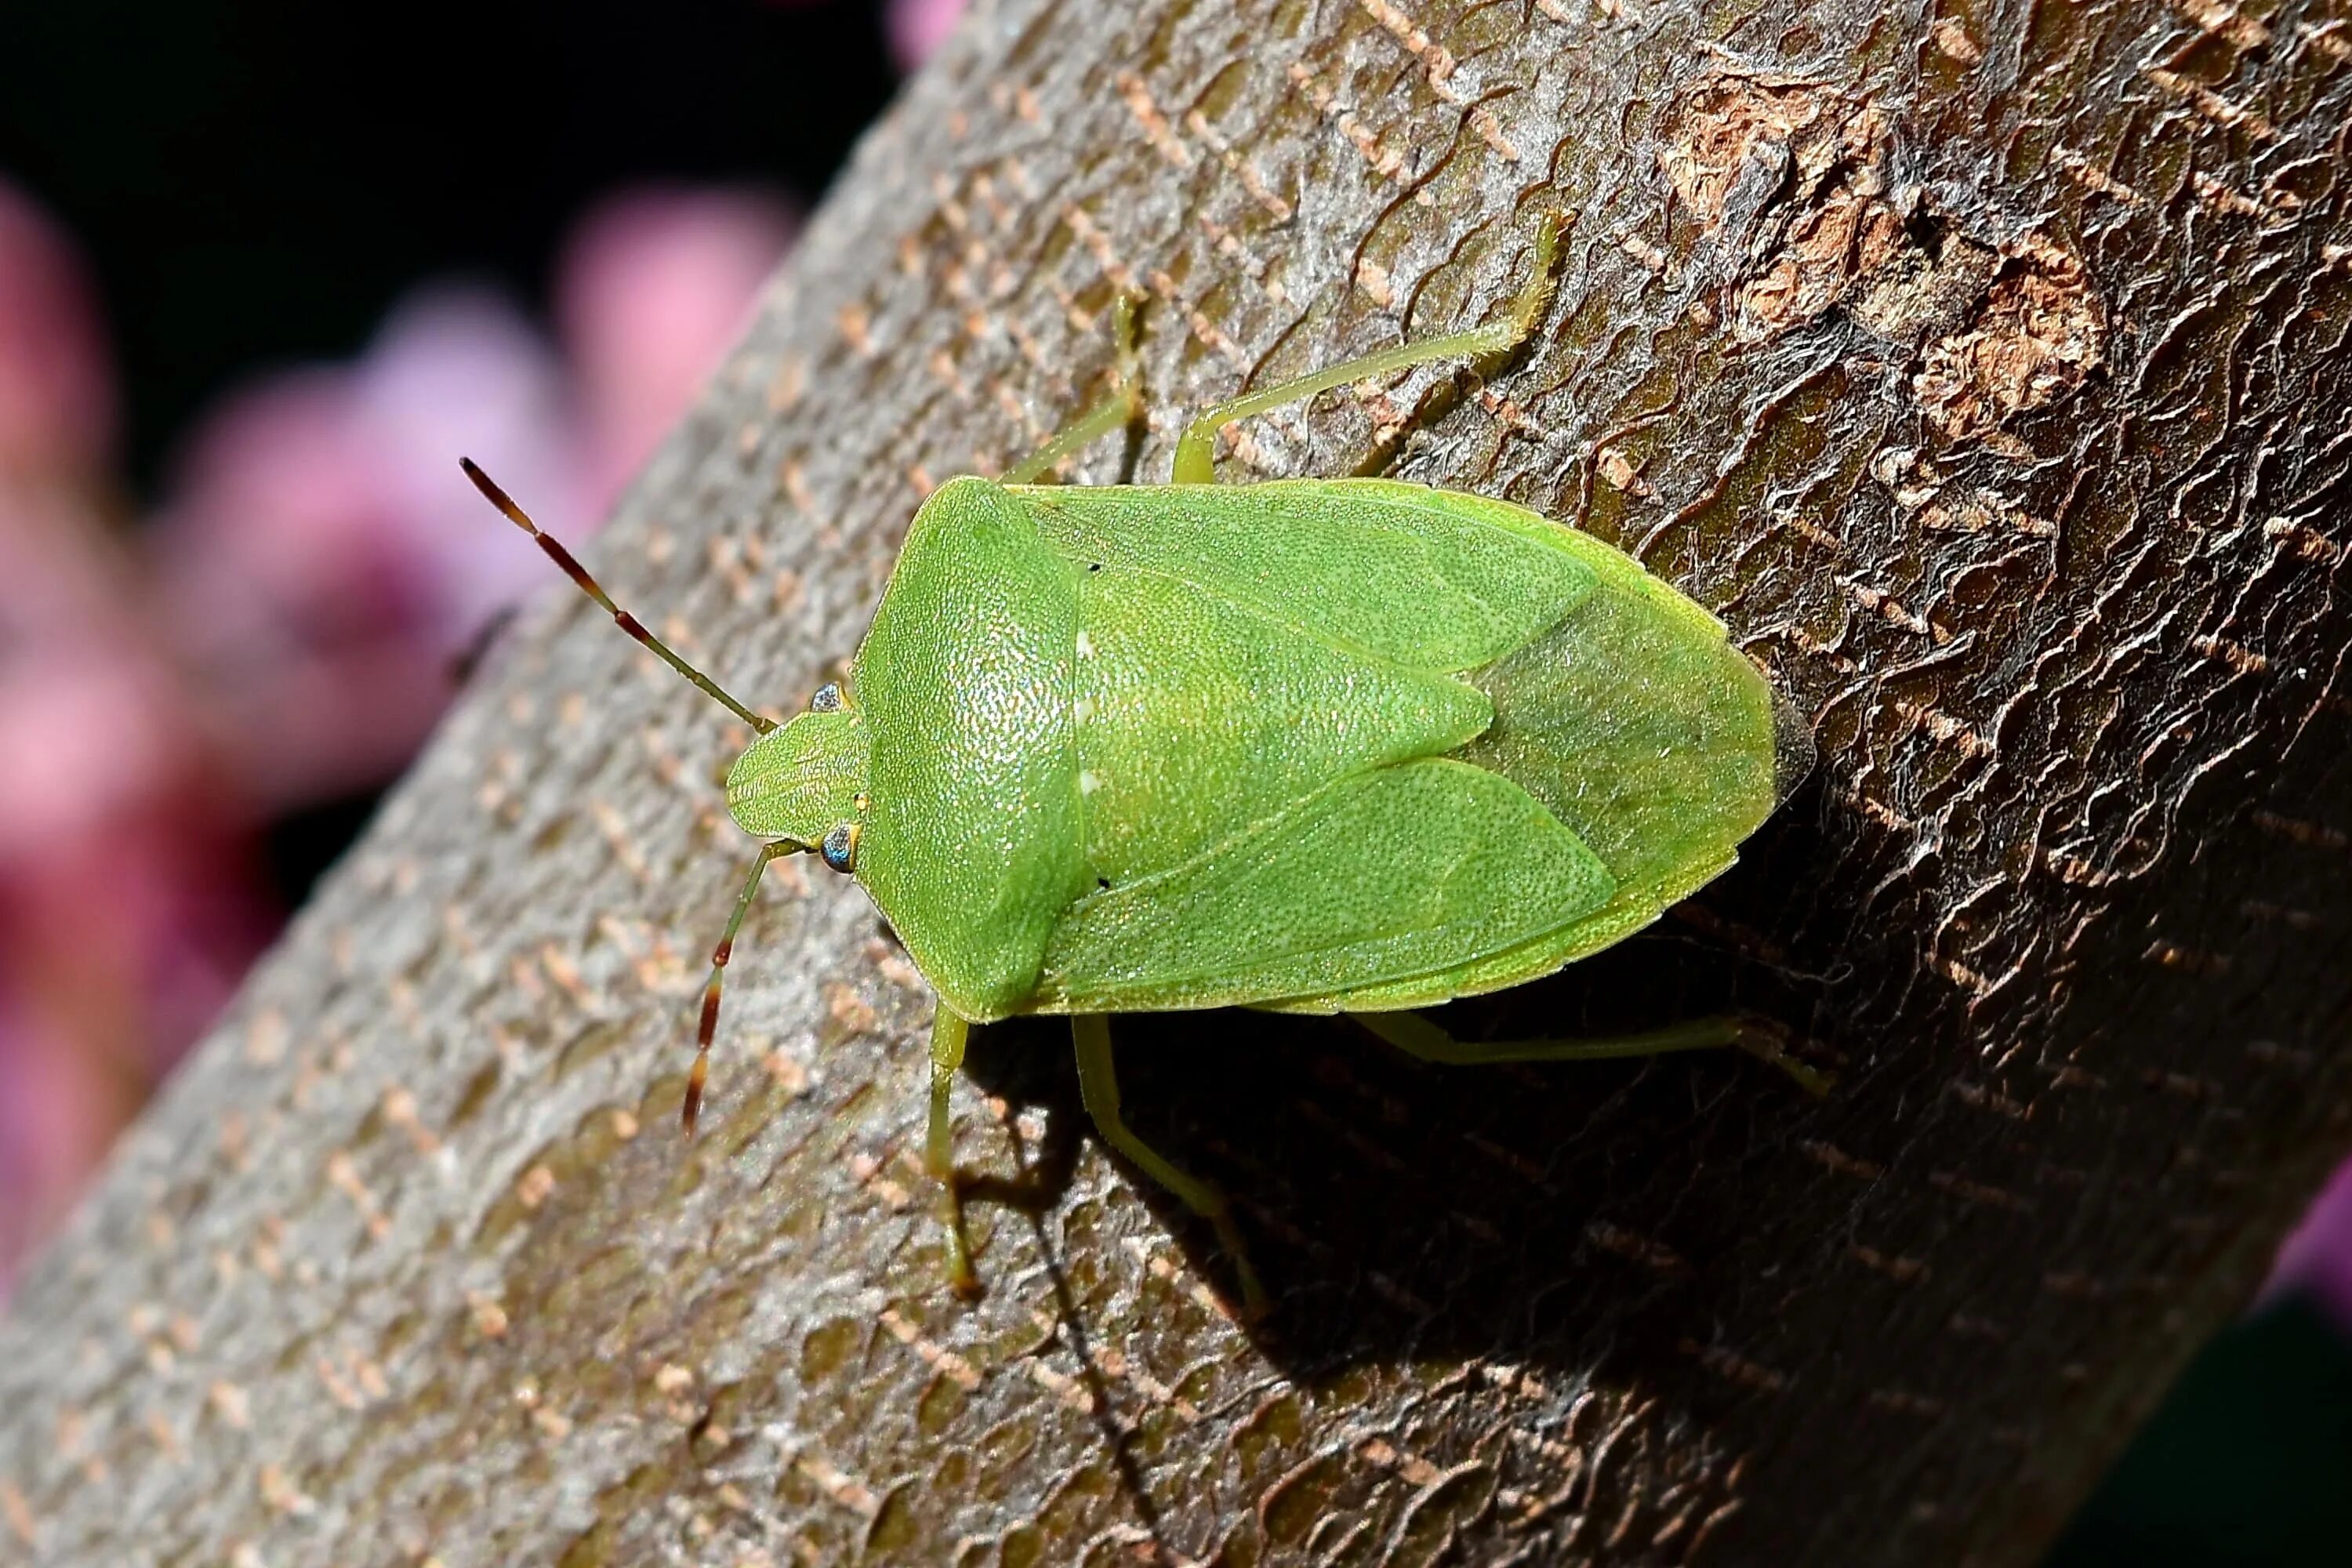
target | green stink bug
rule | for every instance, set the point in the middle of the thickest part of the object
(1315, 746)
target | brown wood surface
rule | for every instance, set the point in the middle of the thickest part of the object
(1984, 368)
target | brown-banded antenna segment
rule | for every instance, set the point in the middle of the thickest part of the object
(590, 586)
(691, 1111)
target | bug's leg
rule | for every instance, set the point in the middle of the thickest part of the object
(691, 1111)
(1197, 448)
(948, 1033)
(595, 590)
(1098, 1085)
(1124, 406)
(1417, 1037)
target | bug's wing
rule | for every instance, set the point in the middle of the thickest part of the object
(1618, 704)
(1618, 701)
(1633, 907)
(1405, 870)
(1423, 578)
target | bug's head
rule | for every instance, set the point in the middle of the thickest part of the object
(805, 780)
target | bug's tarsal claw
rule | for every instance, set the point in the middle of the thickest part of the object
(1766, 1041)
(1255, 1304)
(963, 1278)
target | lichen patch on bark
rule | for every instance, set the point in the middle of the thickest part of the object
(2040, 331)
(1790, 180)
(1843, 238)
(1734, 122)
(1789, 183)
(1916, 294)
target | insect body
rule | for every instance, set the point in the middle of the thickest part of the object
(1317, 746)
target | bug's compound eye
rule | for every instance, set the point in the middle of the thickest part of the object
(840, 847)
(827, 699)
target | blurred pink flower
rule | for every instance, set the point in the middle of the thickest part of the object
(56, 1118)
(2316, 1258)
(323, 559)
(127, 910)
(57, 389)
(286, 631)
(654, 287)
(124, 913)
(917, 27)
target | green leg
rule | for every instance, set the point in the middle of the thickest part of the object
(1099, 1084)
(1417, 1037)
(948, 1033)
(1122, 407)
(1197, 448)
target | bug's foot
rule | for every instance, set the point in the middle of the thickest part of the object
(963, 1278)
(1255, 1304)
(1763, 1040)
(1211, 1203)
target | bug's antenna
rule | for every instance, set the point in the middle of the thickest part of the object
(691, 1111)
(590, 586)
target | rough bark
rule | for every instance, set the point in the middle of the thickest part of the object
(1985, 370)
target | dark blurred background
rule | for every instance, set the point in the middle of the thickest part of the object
(255, 183)
(265, 269)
